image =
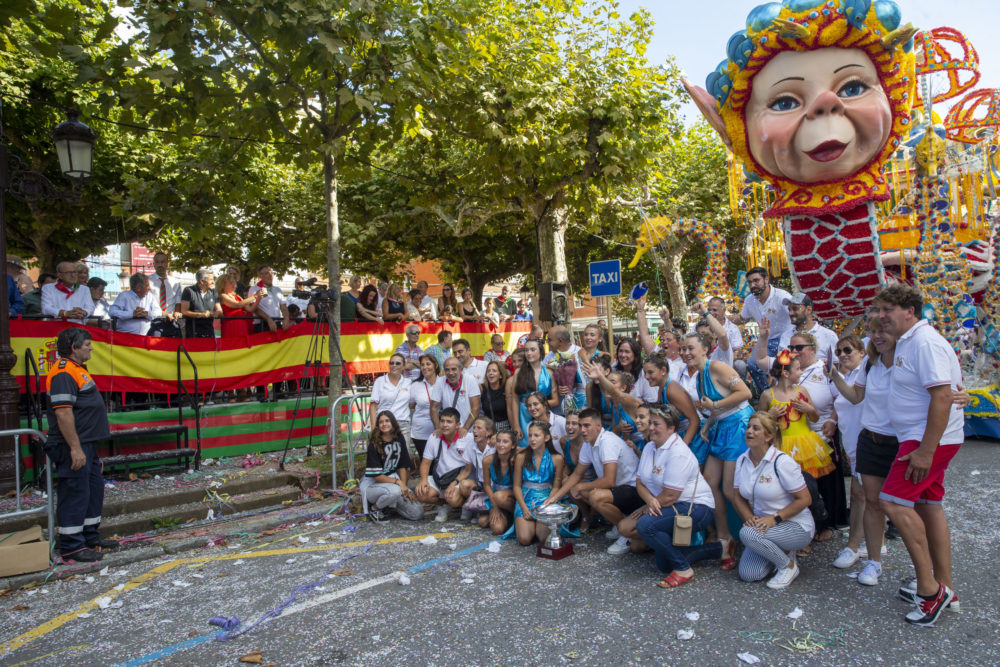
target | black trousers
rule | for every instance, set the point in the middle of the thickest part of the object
(80, 499)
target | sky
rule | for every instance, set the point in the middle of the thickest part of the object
(697, 38)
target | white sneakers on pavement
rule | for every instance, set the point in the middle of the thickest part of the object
(785, 576)
(442, 514)
(870, 573)
(846, 558)
(619, 547)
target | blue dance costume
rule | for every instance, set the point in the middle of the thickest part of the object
(544, 386)
(505, 484)
(536, 485)
(727, 438)
(698, 446)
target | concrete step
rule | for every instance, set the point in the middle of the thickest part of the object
(133, 513)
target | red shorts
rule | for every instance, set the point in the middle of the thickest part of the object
(897, 489)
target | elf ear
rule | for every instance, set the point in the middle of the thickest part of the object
(706, 104)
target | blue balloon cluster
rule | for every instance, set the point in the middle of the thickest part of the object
(742, 44)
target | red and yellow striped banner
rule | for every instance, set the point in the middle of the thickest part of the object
(128, 362)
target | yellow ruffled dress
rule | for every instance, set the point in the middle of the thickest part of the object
(803, 444)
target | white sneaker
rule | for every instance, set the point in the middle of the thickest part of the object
(784, 577)
(466, 514)
(442, 514)
(613, 534)
(619, 547)
(870, 574)
(846, 558)
(863, 551)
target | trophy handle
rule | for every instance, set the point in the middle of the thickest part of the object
(576, 511)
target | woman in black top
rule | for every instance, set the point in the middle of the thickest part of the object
(493, 396)
(467, 308)
(386, 468)
(393, 307)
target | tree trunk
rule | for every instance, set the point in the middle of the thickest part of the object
(551, 225)
(668, 261)
(333, 270)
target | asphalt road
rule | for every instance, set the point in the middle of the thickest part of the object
(466, 605)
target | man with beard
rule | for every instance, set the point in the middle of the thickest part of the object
(800, 314)
(765, 301)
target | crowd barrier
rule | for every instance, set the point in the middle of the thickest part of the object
(19, 510)
(123, 362)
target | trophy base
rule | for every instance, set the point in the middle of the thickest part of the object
(555, 554)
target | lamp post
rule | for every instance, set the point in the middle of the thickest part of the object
(74, 144)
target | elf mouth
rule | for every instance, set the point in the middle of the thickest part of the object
(828, 151)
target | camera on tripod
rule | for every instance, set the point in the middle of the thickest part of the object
(316, 292)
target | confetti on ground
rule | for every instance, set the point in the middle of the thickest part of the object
(795, 613)
(429, 540)
(685, 634)
(494, 547)
(403, 580)
(692, 615)
(103, 603)
(104, 571)
(748, 658)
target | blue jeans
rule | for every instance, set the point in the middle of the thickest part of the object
(756, 373)
(658, 531)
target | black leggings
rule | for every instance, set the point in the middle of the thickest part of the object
(419, 445)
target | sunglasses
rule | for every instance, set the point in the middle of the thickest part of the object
(412, 333)
(395, 363)
(798, 348)
(844, 350)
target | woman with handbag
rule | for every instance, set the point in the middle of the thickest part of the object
(773, 501)
(678, 500)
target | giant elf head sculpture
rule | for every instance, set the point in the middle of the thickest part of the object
(814, 97)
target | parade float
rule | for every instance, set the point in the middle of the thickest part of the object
(845, 174)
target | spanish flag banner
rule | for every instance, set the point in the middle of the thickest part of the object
(129, 362)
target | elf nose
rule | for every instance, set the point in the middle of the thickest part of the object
(826, 104)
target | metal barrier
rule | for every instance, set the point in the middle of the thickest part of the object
(350, 400)
(17, 477)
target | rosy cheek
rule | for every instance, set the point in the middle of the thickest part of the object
(771, 137)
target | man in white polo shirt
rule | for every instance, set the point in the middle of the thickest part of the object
(930, 430)
(613, 493)
(272, 307)
(765, 301)
(444, 458)
(470, 365)
(460, 391)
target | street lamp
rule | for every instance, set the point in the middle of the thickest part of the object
(74, 143)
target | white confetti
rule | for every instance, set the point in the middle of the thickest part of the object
(403, 580)
(302, 539)
(156, 477)
(167, 620)
(290, 560)
(429, 540)
(313, 523)
(853, 575)
(452, 546)
(181, 584)
(748, 658)
(104, 571)
(467, 575)
(87, 615)
(375, 638)
(795, 613)
(975, 472)
(89, 580)
(210, 516)
(119, 587)
(494, 547)
(45, 591)
(237, 562)
(117, 605)
(198, 576)
(685, 634)
(468, 581)
(692, 615)
(103, 603)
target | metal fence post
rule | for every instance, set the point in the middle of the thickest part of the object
(49, 506)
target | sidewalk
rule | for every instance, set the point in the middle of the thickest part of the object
(157, 514)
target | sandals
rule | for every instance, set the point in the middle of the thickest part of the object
(729, 558)
(673, 580)
(826, 531)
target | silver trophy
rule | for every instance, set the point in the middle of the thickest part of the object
(554, 516)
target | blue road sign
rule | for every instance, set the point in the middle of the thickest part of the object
(606, 278)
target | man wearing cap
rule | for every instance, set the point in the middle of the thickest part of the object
(63, 300)
(800, 313)
(15, 305)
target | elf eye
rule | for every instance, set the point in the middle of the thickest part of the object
(852, 89)
(785, 103)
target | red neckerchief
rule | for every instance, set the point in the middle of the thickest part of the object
(449, 444)
(502, 299)
(62, 287)
(458, 387)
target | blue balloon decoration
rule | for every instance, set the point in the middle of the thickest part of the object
(761, 16)
(928, 312)
(638, 291)
(801, 5)
(888, 13)
(733, 45)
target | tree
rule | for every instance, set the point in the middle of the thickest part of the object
(319, 75)
(557, 108)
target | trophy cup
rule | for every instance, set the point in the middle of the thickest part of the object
(554, 516)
